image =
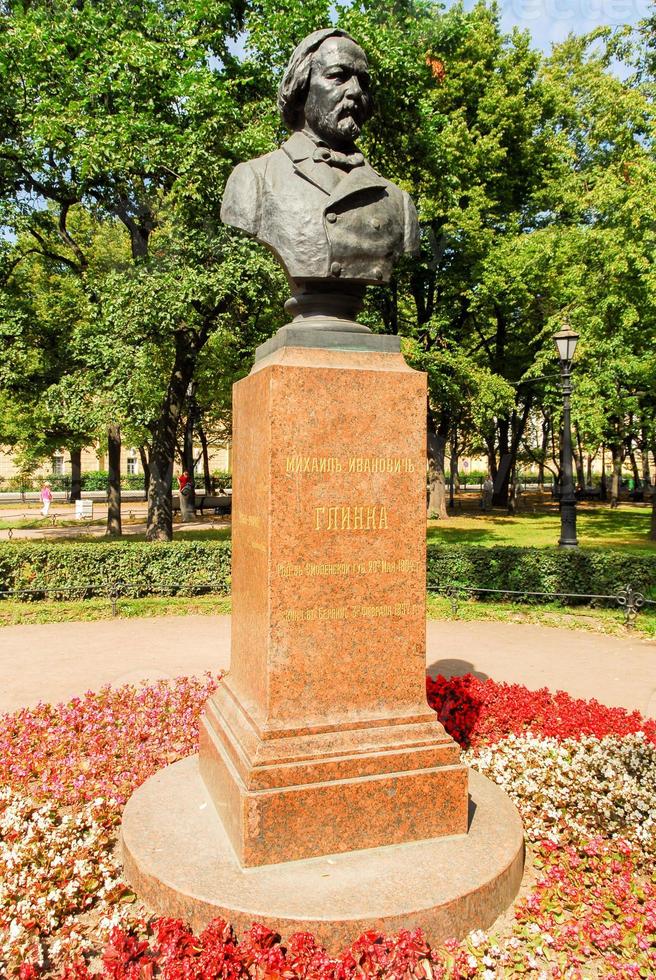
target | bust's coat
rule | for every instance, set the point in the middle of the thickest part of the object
(352, 231)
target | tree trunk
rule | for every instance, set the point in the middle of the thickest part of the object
(436, 482)
(543, 452)
(207, 476)
(616, 477)
(502, 477)
(455, 469)
(490, 449)
(634, 467)
(578, 459)
(588, 471)
(145, 466)
(513, 493)
(160, 503)
(188, 504)
(76, 474)
(646, 473)
(556, 458)
(188, 499)
(653, 510)
(114, 481)
(603, 487)
(454, 479)
(509, 447)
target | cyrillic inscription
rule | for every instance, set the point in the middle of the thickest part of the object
(313, 464)
(370, 611)
(351, 518)
(289, 569)
(380, 464)
(250, 520)
(351, 464)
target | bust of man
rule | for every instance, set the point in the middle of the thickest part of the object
(332, 221)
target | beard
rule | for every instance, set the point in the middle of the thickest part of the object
(341, 126)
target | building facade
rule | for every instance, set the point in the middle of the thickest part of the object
(94, 461)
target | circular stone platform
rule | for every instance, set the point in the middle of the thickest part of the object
(179, 860)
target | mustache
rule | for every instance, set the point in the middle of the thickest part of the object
(354, 107)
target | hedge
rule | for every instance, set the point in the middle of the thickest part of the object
(523, 570)
(98, 480)
(187, 568)
(139, 568)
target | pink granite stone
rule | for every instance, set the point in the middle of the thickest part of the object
(178, 857)
(324, 709)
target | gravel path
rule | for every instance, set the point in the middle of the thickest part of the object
(57, 661)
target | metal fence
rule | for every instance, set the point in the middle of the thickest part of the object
(627, 598)
(112, 591)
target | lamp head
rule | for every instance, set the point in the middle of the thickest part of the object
(566, 341)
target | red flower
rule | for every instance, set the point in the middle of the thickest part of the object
(127, 958)
(474, 711)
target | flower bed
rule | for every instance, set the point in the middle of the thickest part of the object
(582, 775)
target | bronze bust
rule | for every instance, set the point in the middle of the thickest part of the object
(332, 221)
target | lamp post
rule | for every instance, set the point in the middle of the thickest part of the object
(566, 341)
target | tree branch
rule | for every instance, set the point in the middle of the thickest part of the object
(68, 239)
(45, 251)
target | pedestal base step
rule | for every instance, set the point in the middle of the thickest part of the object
(178, 858)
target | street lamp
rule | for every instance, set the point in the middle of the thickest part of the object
(566, 341)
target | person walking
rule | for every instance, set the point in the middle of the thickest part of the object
(45, 495)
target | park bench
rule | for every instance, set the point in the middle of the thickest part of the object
(589, 493)
(220, 504)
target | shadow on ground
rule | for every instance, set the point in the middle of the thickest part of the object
(454, 668)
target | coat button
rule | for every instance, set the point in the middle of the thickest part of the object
(335, 269)
(378, 273)
(376, 223)
(332, 217)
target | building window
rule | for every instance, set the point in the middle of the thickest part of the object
(57, 465)
(132, 465)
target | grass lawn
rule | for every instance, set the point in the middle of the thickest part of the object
(15, 613)
(34, 523)
(626, 528)
(597, 527)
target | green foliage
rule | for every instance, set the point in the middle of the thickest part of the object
(552, 570)
(97, 480)
(222, 478)
(77, 570)
(119, 284)
(533, 177)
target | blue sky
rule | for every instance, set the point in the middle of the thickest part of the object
(550, 21)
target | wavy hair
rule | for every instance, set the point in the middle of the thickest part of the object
(294, 85)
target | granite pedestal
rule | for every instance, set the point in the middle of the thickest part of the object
(320, 741)
(180, 861)
(324, 710)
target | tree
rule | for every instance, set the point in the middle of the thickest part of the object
(476, 149)
(41, 306)
(136, 113)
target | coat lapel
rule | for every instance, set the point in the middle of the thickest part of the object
(299, 148)
(359, 179)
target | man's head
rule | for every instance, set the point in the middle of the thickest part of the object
(326, 87)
